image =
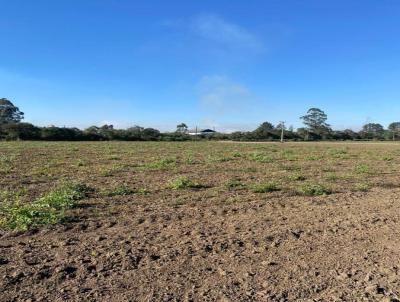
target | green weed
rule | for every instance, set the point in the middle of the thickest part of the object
(296, 177)
(81, 163)
(265, 187)
(363, 187)
(237, 154)
(182, 183)
(10, 196)
(339, 153)
(362, 169)
(49, 209)
(260, 157)
(162, 164)
(313, 189)
(192, 161)
(6, 164)
(107, 172)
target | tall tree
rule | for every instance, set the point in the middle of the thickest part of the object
(315, 120)
(264, 131)
(182, 128)
(9, 113)
(394, 128)
(373, 131)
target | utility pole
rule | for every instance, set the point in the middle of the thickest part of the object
(282, 131)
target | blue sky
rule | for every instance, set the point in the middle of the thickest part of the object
(223, 63)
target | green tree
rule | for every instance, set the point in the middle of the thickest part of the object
(182, 128)
(265, 131)
(9, 113)
(394, 128)
(151, 134)
(17, 131)
(373, 131)
(315, 120)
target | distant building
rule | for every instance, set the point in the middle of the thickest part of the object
(201, 132)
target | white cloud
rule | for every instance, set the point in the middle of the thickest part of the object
(226, 34)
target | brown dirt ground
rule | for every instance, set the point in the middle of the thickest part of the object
(268, 247)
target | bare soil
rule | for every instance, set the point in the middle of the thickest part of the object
(205, 245)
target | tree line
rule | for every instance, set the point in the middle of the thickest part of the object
(315, 128)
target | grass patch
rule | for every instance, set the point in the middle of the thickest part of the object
(106, 173)
(362, 169)
(9, 196)
(335, 177)
(339, 153)
(260, 157)
(182, 183)
(6, 164)
(237, 154)
(312, 189)
(313, 157)
(296, 177)
(193, 161)
(81, 163)
(363, 187)
(265, 187)
(223, 159)
(49, 209)
(162, 164)
(289, 155)
(291, 167)
(114, 169)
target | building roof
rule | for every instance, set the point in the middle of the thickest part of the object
(201, 131)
